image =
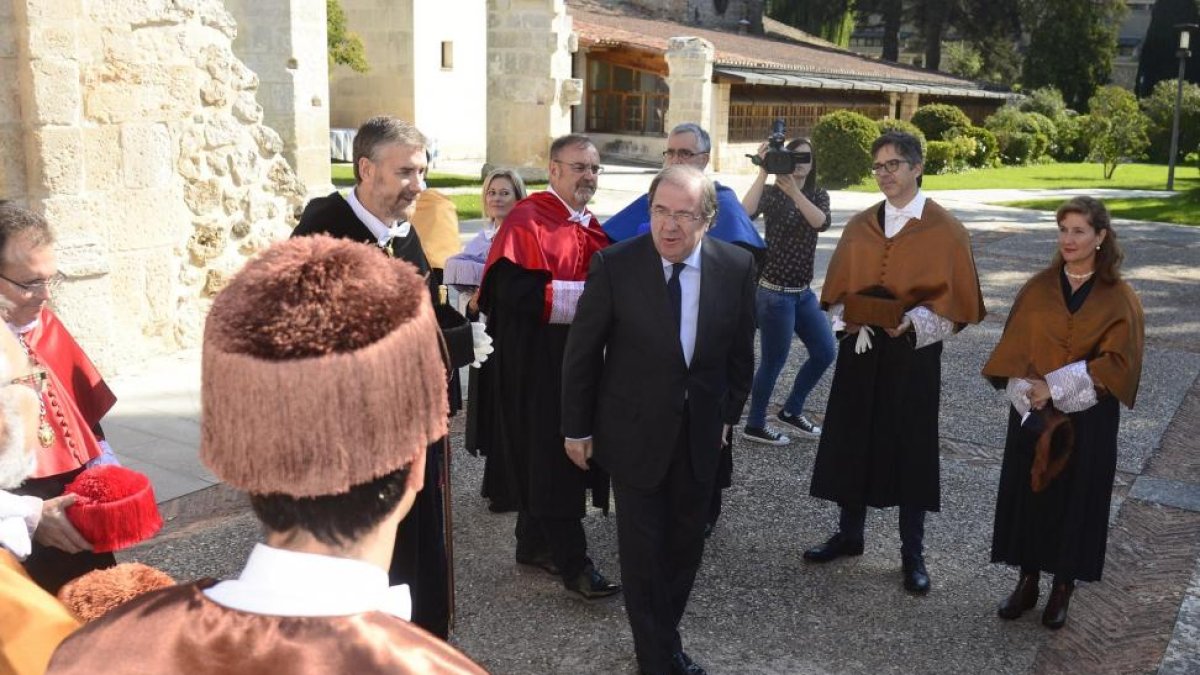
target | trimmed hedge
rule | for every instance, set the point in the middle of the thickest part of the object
(986, 152)
(1016, 147)
(892, 124)
(949, 156)
(844, 140)
(936, 119)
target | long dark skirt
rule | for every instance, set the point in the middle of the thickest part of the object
(879, 442)
(1063, 529)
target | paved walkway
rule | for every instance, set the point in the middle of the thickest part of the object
(757, 607)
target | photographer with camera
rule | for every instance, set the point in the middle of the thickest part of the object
(795, 209)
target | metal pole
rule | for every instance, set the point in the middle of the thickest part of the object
(1183, 56)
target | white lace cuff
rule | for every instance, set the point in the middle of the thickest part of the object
(1018, 394)
(928, 326)
(1071, 387)
(835, 317)
(565, 296)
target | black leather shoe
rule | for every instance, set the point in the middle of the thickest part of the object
(837, 546)
(682, 664)
(916, 579)
(1055, 614)
(1023, 598)
(541, 561)
(592, 585)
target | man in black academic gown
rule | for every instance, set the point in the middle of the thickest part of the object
(389, 172)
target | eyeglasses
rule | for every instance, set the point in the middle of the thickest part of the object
(580, 167)
(49, 285)
(681, 154)
(681, 218)
(890, 166)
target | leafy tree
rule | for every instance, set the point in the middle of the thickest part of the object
(1158, 60)
(832, 20)
(1117, 127)
(963, 60)
(1159, 107)
(345, 47)
(1071, 46)
(1046, 100)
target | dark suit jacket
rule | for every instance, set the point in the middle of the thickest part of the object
(624, 376)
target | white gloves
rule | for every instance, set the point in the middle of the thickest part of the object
(864, 339)
(481, 343)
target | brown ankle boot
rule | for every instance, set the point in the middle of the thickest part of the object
(1023, 598)
(1055, 614)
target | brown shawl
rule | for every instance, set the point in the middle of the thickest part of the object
(1041, 336)
(928, 263)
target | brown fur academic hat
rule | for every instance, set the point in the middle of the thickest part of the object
(322, 369)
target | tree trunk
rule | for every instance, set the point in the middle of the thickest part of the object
(891, 30)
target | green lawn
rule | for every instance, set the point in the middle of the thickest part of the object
(343, 176)
(1051, 176)
(1182, 209)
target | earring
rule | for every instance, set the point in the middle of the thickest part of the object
(1097, 247)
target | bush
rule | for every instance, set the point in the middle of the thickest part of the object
(1046, 100)
(986, 152)
(844, 139)
(1009, 120)
(936, 119)
(1016, 147)
(1074, 144)
(949, 156)
(1159, 107)
(891, 124)
(1117, 128)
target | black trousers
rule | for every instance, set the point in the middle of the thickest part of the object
(50, 567)
(661, 538)
(562, 538)
(420, 557)
(853, 519)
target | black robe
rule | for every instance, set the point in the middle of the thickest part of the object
(421, 555)
(1064, 528)
(527, 469)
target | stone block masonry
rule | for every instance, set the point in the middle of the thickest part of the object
(136, 130)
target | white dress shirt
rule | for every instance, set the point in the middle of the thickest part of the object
(895, 218)
(277, 582)
(689, 286)
(383, 232)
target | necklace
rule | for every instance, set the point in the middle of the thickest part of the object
(45, 432)
(1077, 277)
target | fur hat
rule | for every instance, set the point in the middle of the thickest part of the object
(115, 507)
(98, 592)
(322, 369)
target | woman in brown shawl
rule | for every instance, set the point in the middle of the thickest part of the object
(1071, 350)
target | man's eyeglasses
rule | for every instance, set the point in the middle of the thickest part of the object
(890, 166)
(681, 154)
(681, 218)
(580, 167)
(38, 285)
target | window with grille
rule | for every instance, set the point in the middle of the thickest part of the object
(625, 100)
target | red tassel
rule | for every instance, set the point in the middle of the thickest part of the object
(115, 508)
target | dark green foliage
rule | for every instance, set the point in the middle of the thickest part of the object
(938, 118)
(345, 48)
(832, 20)
(1158, 59)
(844, 139)
(986, 152)
(1010, 119)
(893, 124)
(1071, 46)
(1074, 144)
(1016, 147)
(1159, 107)
(1046, 100)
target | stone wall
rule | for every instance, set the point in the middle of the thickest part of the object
(529, 82)
(284, 43)
(386, 29)
(143, 145)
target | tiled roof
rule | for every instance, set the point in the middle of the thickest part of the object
(599, 28)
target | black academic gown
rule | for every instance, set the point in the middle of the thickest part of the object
(421, 556)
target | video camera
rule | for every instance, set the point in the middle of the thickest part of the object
(778, 160)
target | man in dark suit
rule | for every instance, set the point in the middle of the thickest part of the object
(660, 356)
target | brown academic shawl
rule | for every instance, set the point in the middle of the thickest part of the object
(1041, 336)
(436, 221)
(927, 263)
(179, 630)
